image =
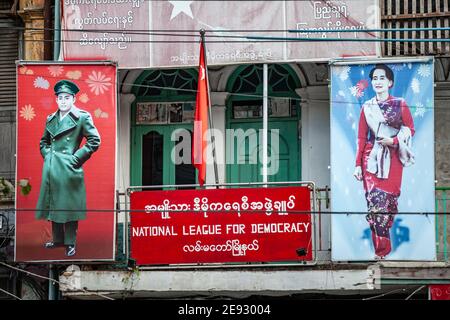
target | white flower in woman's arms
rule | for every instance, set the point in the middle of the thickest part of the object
(55, 71)
(424, 70)
(27, 112)
(40, 82)
(98, 82)
(415, 85)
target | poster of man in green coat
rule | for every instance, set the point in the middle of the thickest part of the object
(66, 150)
(62, 197)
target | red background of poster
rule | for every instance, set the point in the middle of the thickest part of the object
(272, 247)
(95, 236)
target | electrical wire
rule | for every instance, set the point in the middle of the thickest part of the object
(231, 211)
(53, 280)
(287, 39)
(27, 272)
(385, 294)
(10, 294)
(7, 236)
(246, 38)
(235, 94)
(260, 96)
(195, 32)
(4, 219)
(186, 32)
(250, 39)
(193, 91)
(415, 291)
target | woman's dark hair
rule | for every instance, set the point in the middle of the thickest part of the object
(382, 66)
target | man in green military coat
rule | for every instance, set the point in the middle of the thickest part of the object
(62, 198)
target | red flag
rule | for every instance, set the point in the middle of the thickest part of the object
(201, 120)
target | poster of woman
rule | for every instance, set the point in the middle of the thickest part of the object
(382, 160)
(66, 151)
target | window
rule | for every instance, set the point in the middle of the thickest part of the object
(162, 118)
(164, 113)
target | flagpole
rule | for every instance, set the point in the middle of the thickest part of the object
(265, 124)
(213, 140)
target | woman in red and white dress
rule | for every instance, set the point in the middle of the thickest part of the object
(383, 149)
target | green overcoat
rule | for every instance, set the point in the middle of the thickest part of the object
(62, 197)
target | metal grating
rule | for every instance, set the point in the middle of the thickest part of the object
(9, 53)
(397, 14)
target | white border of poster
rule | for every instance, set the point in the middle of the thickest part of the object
(382, 121)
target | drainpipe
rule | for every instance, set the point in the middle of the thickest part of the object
(52, 291)
(47, 30)
(57, 32)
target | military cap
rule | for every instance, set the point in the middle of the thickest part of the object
(66, 86)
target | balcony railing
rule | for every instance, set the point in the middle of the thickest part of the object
(323, 224)
(442, 199)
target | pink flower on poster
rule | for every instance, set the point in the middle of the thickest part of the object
(98, 82)
(27, 112)
(55, 71)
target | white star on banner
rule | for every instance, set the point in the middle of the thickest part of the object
(181, 6)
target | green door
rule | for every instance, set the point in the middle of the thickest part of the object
(156, 159)
(244, 120)
(245, 163)
(164, 105)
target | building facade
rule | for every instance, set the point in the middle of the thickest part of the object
(303, 121)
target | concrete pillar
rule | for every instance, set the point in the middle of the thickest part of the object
(218, 100)
(123, 140)
(442, 134)
(32, 13)
(315, 134)
(123, 152)
(315, 140)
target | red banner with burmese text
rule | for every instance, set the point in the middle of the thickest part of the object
(221, 225)
(439, 291)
